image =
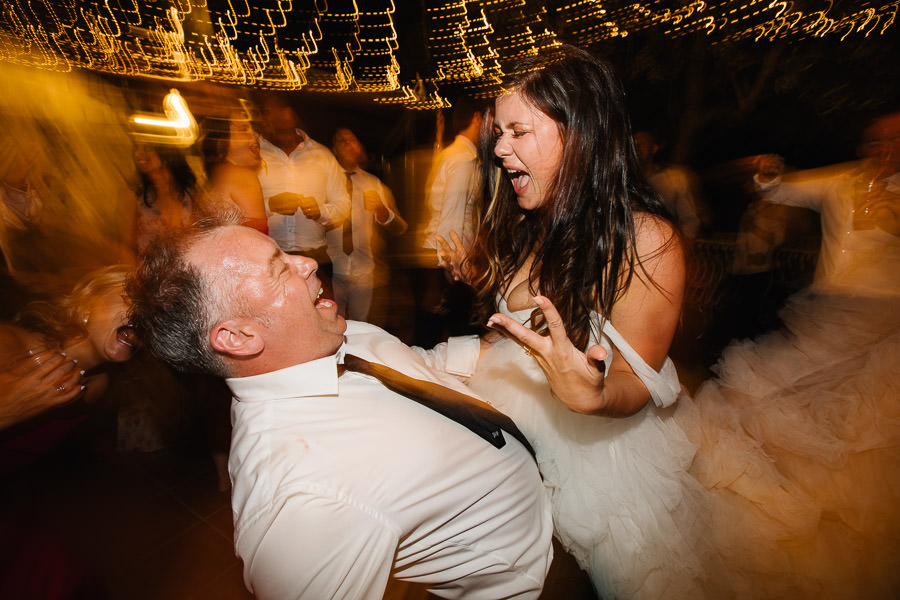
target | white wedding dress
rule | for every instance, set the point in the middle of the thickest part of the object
(800, 434)
(623, 501)
(779, 479)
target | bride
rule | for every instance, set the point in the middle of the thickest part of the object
(779, 479)
(586, 275)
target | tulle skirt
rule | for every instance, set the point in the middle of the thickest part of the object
(623, 501)
(779, 479)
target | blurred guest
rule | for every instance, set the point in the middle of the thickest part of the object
(164, 404)
(304, 187)
(444, 307)
(232, 161)
(859, 206)
(52, 362)
(356, 247)
(52, 355)
(46, 240)
(808, 412)
(675, 185)
(168, 196)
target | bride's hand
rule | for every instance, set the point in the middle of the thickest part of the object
(576, 378)
(452, 255)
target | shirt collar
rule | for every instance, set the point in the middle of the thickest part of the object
(265, 144)
(314, 378)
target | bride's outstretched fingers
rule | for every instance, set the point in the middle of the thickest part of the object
(534, 343)
(596, 355)
(576, 378)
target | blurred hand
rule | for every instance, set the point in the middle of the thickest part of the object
(35, 383)
(371, 201)
(768, 167)
(310, 207)
(452, 255)
(287, 203)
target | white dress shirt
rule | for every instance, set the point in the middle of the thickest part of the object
(339, 483)
(451, 193)
(863, 262)
(366, 243)
(310, 170)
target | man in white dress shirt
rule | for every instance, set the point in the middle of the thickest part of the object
(356, 248)
(338, 482)
(304, 187)
(443, 307)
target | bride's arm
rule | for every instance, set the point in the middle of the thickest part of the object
(646, 315)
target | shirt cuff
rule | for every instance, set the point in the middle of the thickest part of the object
(765, 186)
(388, 220)
(462, 355)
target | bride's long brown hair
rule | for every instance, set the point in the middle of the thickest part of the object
(583, 235)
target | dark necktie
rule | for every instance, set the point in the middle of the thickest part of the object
(348, 224)
(479, 417)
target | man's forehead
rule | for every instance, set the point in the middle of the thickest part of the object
(216, 249)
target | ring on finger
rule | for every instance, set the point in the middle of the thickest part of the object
(61, 388)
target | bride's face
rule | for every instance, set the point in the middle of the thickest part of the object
(107, 325)
(528, 143)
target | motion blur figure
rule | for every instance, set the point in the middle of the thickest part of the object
(304, 187)
(443, 306)
(675, 185)
(232, 161)
(167, 196)
(800, 427)
(356, 247)
(52, 373)
(51, 356)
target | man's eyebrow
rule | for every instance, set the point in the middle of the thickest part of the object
(273, 261)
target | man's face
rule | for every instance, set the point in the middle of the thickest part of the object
(280, 292)
(880, 145)
(347, 148)
(277, 116)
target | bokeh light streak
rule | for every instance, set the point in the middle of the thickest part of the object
(342, 46)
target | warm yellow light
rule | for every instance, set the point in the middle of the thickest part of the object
(178, 128)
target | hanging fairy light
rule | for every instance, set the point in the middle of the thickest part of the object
(352, 45)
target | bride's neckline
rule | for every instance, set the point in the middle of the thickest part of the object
(518, 297)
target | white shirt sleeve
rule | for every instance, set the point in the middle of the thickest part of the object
(322, 548)
(805, 194)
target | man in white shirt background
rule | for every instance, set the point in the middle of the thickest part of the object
(338, 482)
(443, 307)
(356, 247)
(304, 187)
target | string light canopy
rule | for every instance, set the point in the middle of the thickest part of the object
(355, 45)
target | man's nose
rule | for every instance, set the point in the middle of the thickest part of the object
(306, 266)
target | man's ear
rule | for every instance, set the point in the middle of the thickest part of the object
(237, 337)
